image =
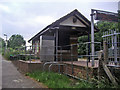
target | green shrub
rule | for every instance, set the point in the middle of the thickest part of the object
(9, 52)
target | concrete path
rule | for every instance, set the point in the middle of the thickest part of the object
(11, 78)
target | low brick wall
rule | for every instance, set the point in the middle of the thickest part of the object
(81, 71)
(75, 70)
(25, 67)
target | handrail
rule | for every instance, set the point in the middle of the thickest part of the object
(47, 63)
(59, 65)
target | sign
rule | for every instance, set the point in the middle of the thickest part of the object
(106, 16)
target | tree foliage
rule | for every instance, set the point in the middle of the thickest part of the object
(102, 26)
(16, 41)
(2, 43)
(119, 20)
(105, 26)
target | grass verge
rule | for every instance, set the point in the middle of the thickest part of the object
(55, 80)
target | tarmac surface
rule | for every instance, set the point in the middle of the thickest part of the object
(11, 78)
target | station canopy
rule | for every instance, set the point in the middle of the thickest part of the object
(74, 23)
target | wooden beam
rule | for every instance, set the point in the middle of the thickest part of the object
(106, 69)
(81, 21)
(112, 79)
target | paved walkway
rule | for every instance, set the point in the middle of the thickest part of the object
(11, 78)
(0, 72)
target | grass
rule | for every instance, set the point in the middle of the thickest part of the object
(55, 80)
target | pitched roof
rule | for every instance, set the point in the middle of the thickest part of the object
(57, 22)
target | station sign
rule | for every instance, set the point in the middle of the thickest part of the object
(106, 16)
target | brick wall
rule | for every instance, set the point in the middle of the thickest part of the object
(80, 71)
(25, 67)
(75, 70)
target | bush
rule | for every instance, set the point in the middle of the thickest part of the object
(9, 52)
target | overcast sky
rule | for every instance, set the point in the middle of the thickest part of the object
(28, 17)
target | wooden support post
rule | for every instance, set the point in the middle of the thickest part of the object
(105, 51)
(100, 58)
(72, 59)
(106, 69)
(30, 53)
(88, 45)
(56, 45)
(109, 74)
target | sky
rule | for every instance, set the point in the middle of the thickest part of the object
(28, 17)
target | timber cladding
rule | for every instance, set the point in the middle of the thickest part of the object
(62, 35)
(79, 71)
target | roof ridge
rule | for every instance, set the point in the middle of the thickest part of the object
(72, 12)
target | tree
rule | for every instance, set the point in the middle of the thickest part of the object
(102, 26)
(119, 20)
(105, 26)
(2, 43)
(16, 41)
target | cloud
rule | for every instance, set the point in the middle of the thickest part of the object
(4, 8)
(43, 20)
(32, 22)
(29, 18)
(59, 0)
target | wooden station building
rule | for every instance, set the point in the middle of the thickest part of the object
(56, 37)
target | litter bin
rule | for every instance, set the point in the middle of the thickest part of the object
(11, 57)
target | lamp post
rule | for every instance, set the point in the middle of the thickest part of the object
(92, 36)
(6, 40)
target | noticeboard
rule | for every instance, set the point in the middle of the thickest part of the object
(106, 16)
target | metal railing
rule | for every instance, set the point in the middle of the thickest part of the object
(65, 53)
(112, 38)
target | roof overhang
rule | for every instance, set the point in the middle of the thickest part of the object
(61, 24)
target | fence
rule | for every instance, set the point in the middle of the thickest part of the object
(112, 39)
(66, 58)
(63, 53)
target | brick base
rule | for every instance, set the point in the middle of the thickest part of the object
(79, 71)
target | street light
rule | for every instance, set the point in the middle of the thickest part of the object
(6, 40)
